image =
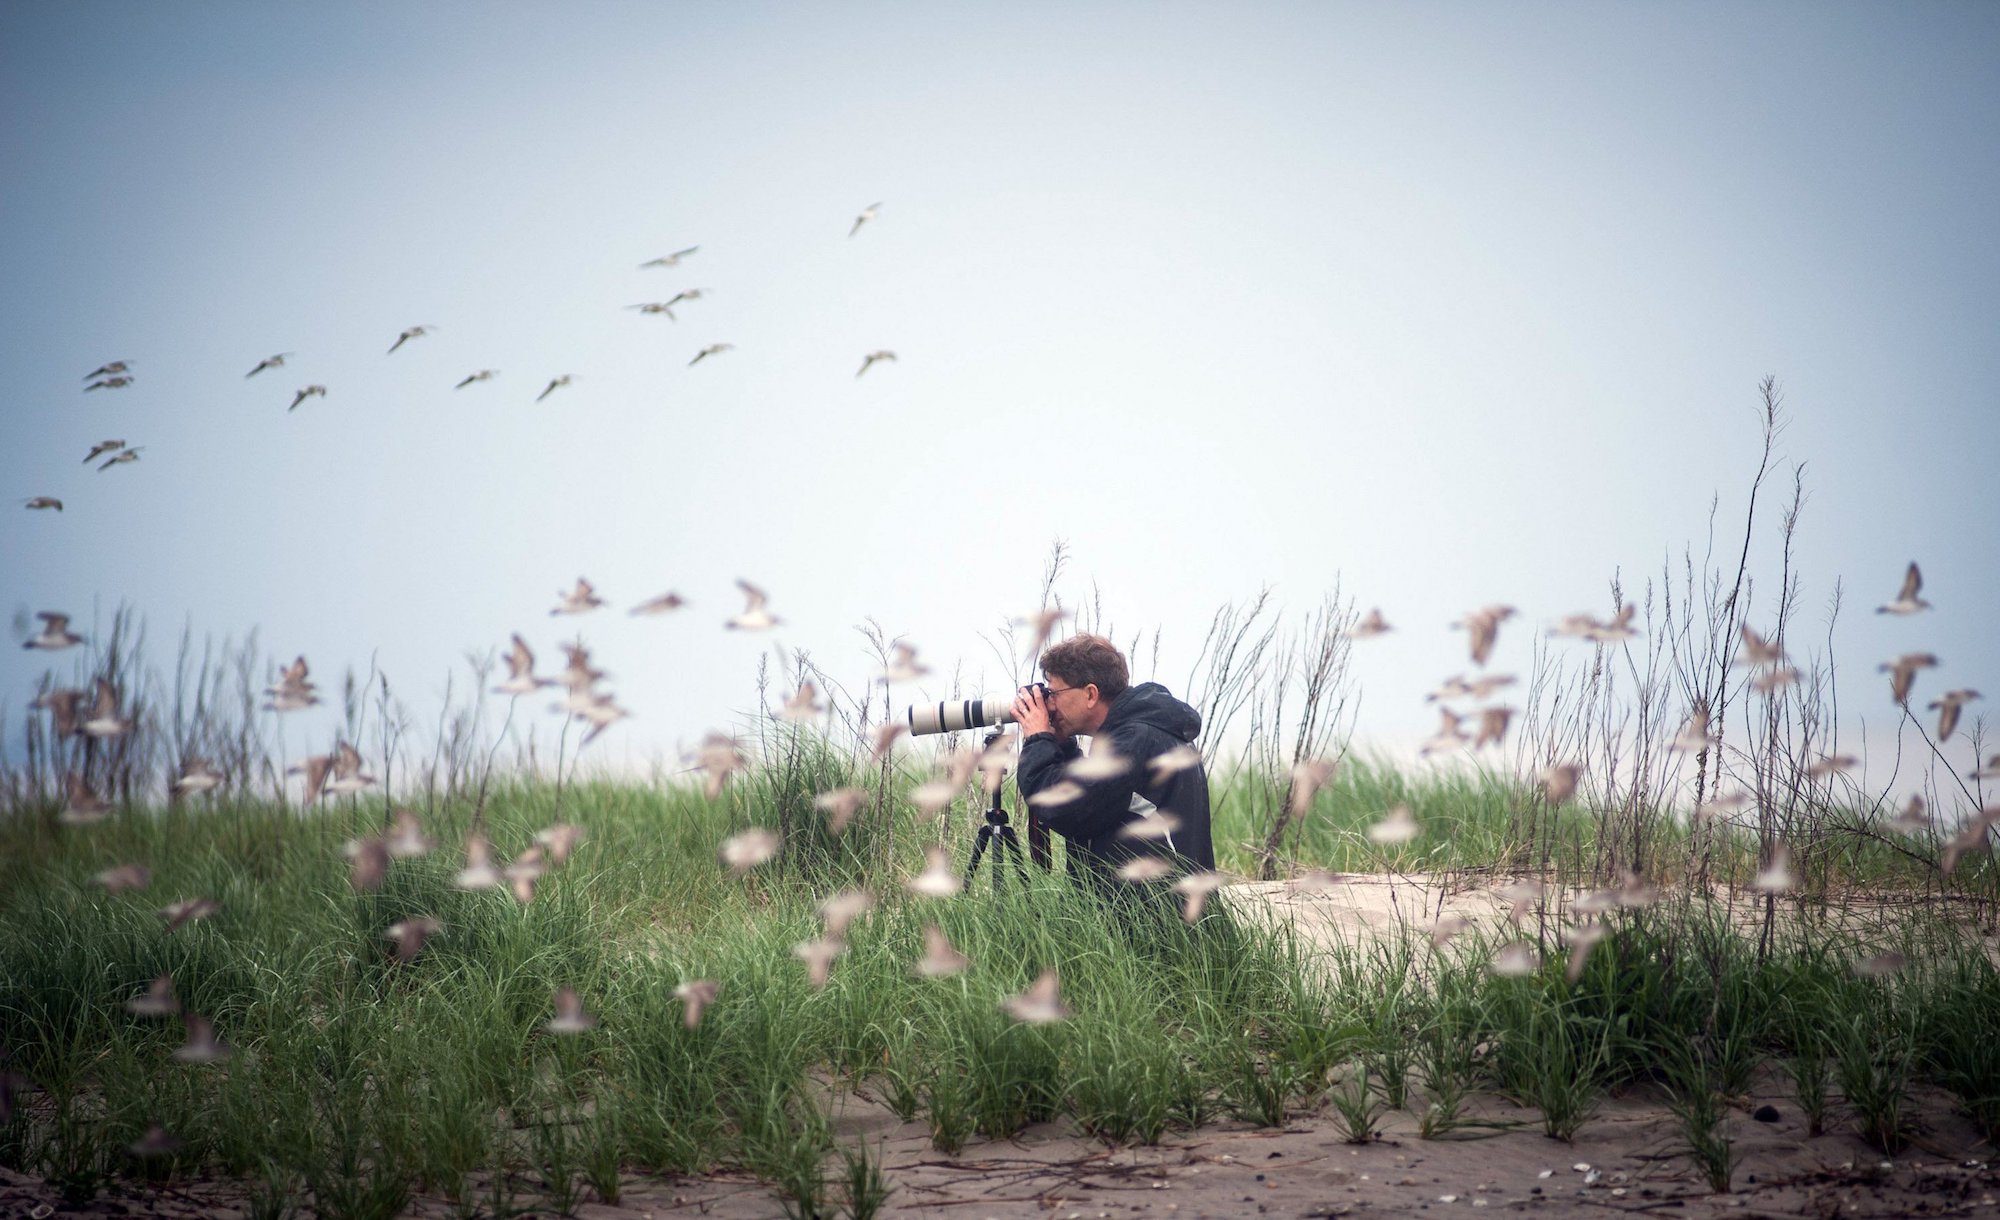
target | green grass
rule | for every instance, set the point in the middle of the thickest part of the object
(364, 1082)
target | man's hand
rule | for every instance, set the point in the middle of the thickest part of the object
(1031, 713)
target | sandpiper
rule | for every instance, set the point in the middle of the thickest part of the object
(481, 375)
(939, 879)
(668, 260)
(123, 458)
(269, 362)
(55, 635)
(311, 391)
(867, 214)
(555, 384)
(1041, 1003)
(1907, 601)
(570, 1017)
(665, 603)
(100, 449)
(745, 851)
(108, 370)
(413, 332)
(1482, 627)
(521, 679)
(713, 349)
(104, 720)
(1947, 707)
(580, 600)
(940, 960)
(754, 617)
(1902, 673)
(695, 996)
(871, 358)
(410, 935)
(1371, 625)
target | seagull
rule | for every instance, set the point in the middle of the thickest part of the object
(202, 1046)
(122, 877)
(938, 880)
(940, 960)
(104, 720)
(695, 995)
(311, 391)
(156, 1001)
(554, 385)
(663, 604)
(1947, 706)
(414, 332)
(84, 806)
(743, 852)
(410, 935)
(867, 214)
(1041, 1003)
(840, 806)
(109, 383)
(1483, 626)
(521, 679)
(579, 600)
(187, 912)
(55, 635)
(37, 502)
(869, 360)
(1907, 601)
(100, 449)
(120, 459)
(754, 616)
(818, 956)
(570, 1017)
(669, 260)
(1903, 672)
(481, 375)
(1371, 625)
(713, 349)
(269, 362)
(109, 370)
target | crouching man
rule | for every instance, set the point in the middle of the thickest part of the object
(1138, 769)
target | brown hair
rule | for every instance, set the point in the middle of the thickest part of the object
(1084, 659)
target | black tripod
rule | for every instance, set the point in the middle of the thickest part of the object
(998, 829)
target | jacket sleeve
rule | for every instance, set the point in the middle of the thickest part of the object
(1105, 805)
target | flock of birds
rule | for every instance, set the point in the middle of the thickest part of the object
(118, 374)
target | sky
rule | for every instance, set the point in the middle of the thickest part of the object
(1441, 304)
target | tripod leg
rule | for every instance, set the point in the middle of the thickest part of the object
(978, 850)
(1010, 844)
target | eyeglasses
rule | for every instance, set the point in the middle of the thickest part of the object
(1057, 690)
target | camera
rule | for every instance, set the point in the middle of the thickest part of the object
(953, 715)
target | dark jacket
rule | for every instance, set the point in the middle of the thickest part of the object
(1142, 724)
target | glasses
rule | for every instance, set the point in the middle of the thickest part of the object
(1058, 690)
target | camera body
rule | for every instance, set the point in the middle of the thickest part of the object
(955, 715)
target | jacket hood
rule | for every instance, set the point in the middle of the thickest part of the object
(1150, 704)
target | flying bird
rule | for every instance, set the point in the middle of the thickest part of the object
(521, 679)
(109, 383)
(120, 459)
(655, 307)
(695, 996)
(104, 720)
(293, 692)
(940, 959)
(269, 362)
(713, 349)
(1398, 827)
(479, 872)
(481, 375)
(818, 956)
(743, 852)
(414, 332)
(1482, 626)
(1194, 890)
(314, 770)
(1371, 625)
(84, 807)
(1907, 601)
(554, 385)
(100, 449)
(55, 635)
(156, 1001)
(122, 877)
(311, 391)
(867, 214)
(181, 913)
(197, 777)
(662, 604)
(1903, 672)
(410, 935)
(839, 911)
(40, 502)
(754, 617)
(939, 879)
(1775, 877)
(580, 600)
(570, 1017)
(1041, 1003)
(202, 1046)
(109, 370)
(840, 806)
(685, 294)
(1947, 707)
(869, 360)
(669, 260)
(347, 776)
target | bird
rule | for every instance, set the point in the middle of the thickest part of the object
(406, 837)
(840, 910)
(1728, 802)
(1482, 626)
(1102, 763)
(1398, 827)
(1448, 736)
(885, 736)
(1041, 1003)
(202, 1046)
(695, 996)
(685, 294)
(802, 705)
(940, 959)
(1194, 890)
(669, 260)
(314, 769)
(347, 776)
(1775, 877)
(1057, 795)
(1583, 938)
(119, 878)
(818, 956)
(1141, 869)
(867, 214)
(43, 502)
(120, 459)
(65, 709)
(840, 806)
(521, 679)
(655, 307)
(269, 362)
(55, 635)
(570, 1017)
(1515, 959)
(293, 692)
(1493, 723)
(368, 863)
(525, 872)
(713, 349)
(663, 604)
(413, 332)
(1830, 764)
(578, 675)
(104, 720)
(602, 712)
(869, 360)
(1456, 687)
(559, 839)
(1907, 601)
(1693, 737)
(754, 616)
(1371, 625)
(1559, 782)
(478, 873)
(1902, 673)
(100, 449)
(109, 370)
(187, 911)
(1774, 679)
(410, 936)
(157, 1141)
(481, 375)
(1446, 927)
(555, 384)
(939, 879)
(311, 391)
(1309, 775)
(1911, 818)
(1172, 762)
(903, 664)
(1756, 651)
(1158, 824)
(156, 1001)
(1947, 707)
(937, 795)
(580, 600)
(1880, 965)
(1044, 622)
(108, 383)
(1521, 898)
(1972, 837)
(718, 757)
(745, 851)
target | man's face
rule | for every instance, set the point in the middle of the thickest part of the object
(1070, 707)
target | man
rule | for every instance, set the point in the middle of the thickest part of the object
(1088, 694)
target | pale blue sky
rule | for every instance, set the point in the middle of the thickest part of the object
(1465, 303)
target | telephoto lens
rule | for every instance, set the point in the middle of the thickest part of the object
(954, 715)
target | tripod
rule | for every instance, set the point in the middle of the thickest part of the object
(998, 829)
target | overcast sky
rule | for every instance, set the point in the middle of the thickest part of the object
(1453, 304)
